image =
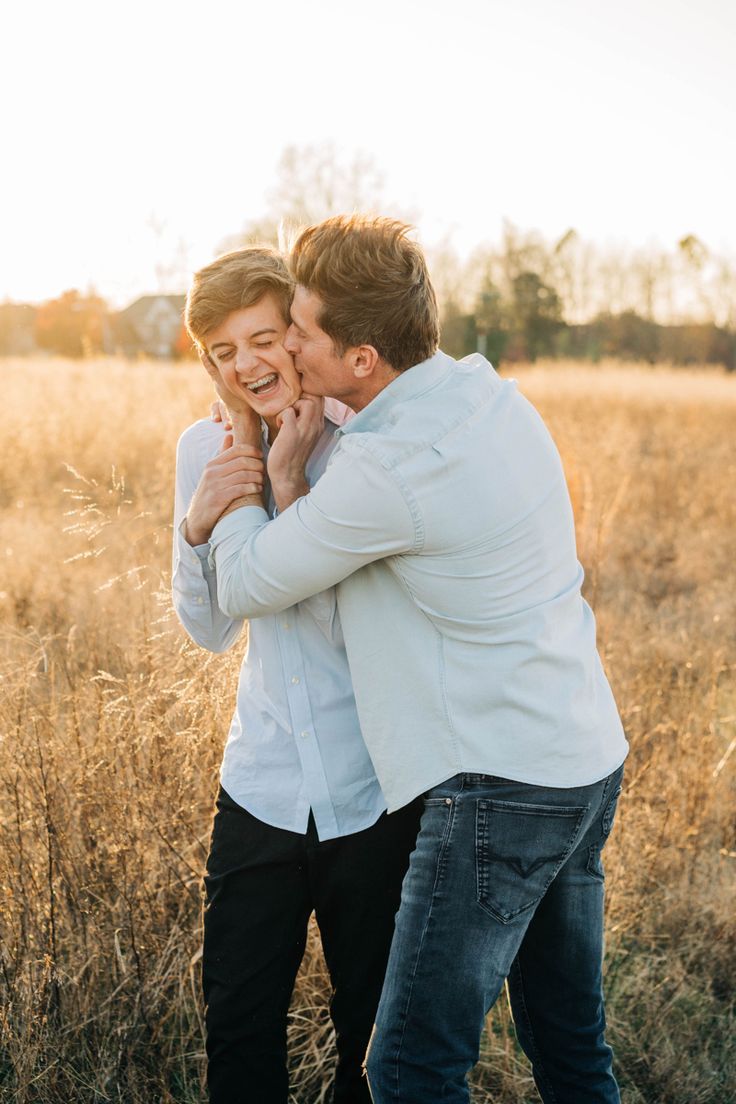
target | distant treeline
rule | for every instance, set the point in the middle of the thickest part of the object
(519, 298)
(77, 326)
(627, 336)
(528, 298)
(522, 299)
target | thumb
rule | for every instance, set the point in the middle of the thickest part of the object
(227, 442)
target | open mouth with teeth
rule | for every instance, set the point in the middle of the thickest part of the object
(265, 385)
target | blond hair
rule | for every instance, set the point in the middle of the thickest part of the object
(234, 281)
(374, 286)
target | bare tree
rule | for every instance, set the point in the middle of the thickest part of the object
(312, 183)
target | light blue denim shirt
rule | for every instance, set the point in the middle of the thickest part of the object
(295, 742)
(444, 521)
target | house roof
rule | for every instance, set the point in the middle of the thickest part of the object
(139, 326)
(140, 307)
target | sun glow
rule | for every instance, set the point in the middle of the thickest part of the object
(142, 135)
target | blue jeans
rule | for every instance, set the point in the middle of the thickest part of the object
(506, 882)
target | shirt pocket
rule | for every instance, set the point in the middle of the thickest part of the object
(519, 849)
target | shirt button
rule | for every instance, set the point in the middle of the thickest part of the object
(295, 681)
(199, 600)
(285, 624)
(303, 735)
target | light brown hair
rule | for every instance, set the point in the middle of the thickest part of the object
(374, 286)
(236, 280)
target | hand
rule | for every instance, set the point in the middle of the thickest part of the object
(220, 413)
(300, 427)
(246, 430)
(236, 471)
(243, 418)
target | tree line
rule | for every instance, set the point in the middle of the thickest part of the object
(520, 298)
(526, 298)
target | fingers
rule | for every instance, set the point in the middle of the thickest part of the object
(287, 417)
(251, 470)
(220, 413)
(229, 495)
(233, 464)
(230, 451)
(243, 489)
(306, 412)
(316, 400)
(310, 411)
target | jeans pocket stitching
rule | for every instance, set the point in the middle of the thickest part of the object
(483, 863)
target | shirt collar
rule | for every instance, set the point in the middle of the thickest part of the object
(408, 385)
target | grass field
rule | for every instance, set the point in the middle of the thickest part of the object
(112, 725)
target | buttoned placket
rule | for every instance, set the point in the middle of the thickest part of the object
(302, 724)
(300, 708)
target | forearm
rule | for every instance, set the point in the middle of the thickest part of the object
(246, 430)
(348, 519)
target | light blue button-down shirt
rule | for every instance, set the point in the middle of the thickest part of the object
(295, 742)
(444, 520)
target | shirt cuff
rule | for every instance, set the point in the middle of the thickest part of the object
(197, 555)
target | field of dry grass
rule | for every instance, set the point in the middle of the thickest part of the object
(112, 723)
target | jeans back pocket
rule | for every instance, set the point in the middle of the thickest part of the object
(519, 848)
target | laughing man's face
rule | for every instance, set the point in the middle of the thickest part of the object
(247, 349)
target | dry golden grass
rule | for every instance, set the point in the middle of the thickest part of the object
(112, 723)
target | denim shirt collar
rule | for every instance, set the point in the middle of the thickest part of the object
(408, 385)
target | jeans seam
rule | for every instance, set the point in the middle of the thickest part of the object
(420, 943)
(537, 1059)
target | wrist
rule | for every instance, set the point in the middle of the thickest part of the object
(196, 534)
(246, 428)
(246, 500)
(286, 491)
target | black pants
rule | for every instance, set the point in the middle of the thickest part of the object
(262, 885)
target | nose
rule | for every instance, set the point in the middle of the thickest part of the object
(290, 343)
(245, 361)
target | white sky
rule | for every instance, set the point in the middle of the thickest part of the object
(135, 132)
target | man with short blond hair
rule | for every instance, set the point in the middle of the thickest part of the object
(300, 824)
(445, 524)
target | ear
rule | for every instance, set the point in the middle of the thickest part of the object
(365, 360)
